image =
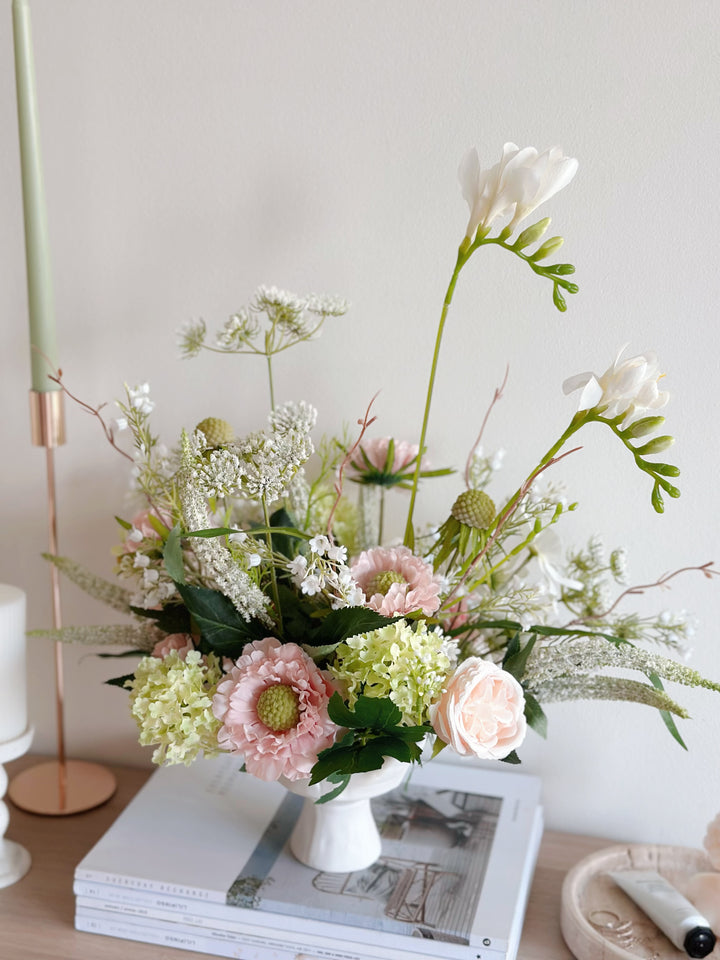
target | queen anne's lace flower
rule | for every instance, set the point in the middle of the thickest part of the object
(171, 700)
(408, 665)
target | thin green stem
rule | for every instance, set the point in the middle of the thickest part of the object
(273, 578)
(462, 258)
(381, 519)
(270, 381)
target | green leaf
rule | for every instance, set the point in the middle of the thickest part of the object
(375, 712)
(342, 780)
(535, 715)
(120, 681)
(438, 747)
(512, 757)
(172, 555)
(283, 542)
(531, 234)
(346, 622)
(667, 717)
(124, 523)
(125, 653)
(221, 625)
(516, 662)
(172, 618)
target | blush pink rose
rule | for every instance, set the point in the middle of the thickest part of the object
(271, 753)
(142, 529)
(395, 581)
(376, 450)
(182, 642)
(481, 712)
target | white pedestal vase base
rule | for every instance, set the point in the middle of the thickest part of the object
(341, 835)
(14, 859)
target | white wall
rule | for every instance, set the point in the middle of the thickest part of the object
(193, 150)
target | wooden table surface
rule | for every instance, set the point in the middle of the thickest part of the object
(36, 913)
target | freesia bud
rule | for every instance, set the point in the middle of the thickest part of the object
(640, 428)
(550, 246)
(656, 445)
(532, 234)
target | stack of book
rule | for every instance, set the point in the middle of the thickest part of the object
(199, 861)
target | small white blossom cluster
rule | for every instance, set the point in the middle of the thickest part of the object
(327, 574)
(238, 329)
(483, 467)
(152, 585)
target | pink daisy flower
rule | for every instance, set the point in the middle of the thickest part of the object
(376, 450)
(273, 709)
(395, 581)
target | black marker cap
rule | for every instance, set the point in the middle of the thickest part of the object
(699, 942)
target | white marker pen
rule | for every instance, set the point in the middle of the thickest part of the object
(668, 909)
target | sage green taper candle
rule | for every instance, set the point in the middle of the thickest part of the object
(43, 344)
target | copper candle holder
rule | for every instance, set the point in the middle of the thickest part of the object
(57, 787)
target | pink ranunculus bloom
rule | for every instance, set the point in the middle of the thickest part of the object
(182, 642)
(271, 753)
(481, 712)
(142, 529)
(395, 581)
(376, 450)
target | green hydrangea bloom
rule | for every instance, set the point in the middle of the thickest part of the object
(407, 664)
(171, 700)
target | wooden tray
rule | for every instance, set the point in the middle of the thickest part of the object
(600, 922)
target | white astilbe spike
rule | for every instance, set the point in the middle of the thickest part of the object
(564, 660)
(247, 598)
(605, 688)
(140, 636)
(102, 590)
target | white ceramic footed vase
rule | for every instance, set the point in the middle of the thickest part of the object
(341, 835)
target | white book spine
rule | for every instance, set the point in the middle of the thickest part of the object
(113, 925)
(376, 944)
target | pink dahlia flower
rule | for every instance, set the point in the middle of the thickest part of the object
(182, 642)
(376, 450)
(273, 709)
(395, 581)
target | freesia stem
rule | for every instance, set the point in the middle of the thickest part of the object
(463, 256)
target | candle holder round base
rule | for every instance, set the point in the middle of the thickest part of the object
(53, 789)
(14, 859)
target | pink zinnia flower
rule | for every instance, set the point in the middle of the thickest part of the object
(273, 708)
(395, 581)
(182, 642)
(376, 450)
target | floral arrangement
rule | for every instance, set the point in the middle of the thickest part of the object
(273, 620)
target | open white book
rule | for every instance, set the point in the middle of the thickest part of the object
(206, 847)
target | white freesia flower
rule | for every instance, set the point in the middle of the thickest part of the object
(517, 184)
(627, 386)
(547, 550)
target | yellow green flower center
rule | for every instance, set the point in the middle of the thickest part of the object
(217, 432)
(382, 582)
(278, 707)
(474, 508)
